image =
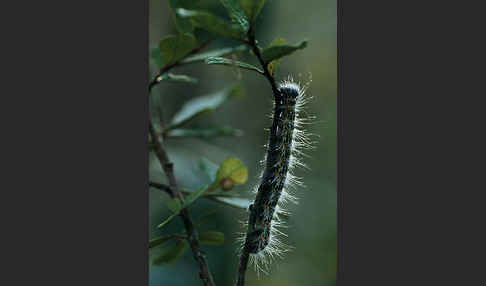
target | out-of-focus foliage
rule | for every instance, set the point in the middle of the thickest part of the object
(202, 104)
(172, 253)
(252, 8)
(174, 48)
(178, 78)
(211, 237)
(215, 53)
(237, 13)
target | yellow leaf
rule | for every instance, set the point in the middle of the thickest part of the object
(232, 170)
(240, 176)
(228, 166)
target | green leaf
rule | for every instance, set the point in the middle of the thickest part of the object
(240, 203)
(200, 105)
(277, 42)
(205, 133)
(174, 48)
(276, 52)
(160, 240)
(252, 8)
(272, 66)
(174, 205)
(182, 24)
(193, 196)
(236, 13)
(178, 78)
(171, 254)
(211, 237)
(162, 224)
(210, 23)
(209, 168)
(215, 53)
(228, 62)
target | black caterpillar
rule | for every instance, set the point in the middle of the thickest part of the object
(283, 151)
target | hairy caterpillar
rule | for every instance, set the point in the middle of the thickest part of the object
(283, 150)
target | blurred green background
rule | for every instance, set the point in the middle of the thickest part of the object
(312, 225)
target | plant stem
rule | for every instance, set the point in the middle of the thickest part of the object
(172, 190)
(162, 187)
(256, 50)
(192, 237)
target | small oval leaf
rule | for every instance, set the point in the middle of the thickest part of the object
(201, 104)
(211, 23)
(172, 254)
(252, 8)
(228, 166)
(211, 237)
(214, 53)
(232, 169)
(237, 13)
(174, 205)
(159, 240)
(276, 52)
(173, 48)
(178, 78)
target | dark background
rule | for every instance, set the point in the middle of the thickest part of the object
(313, 224)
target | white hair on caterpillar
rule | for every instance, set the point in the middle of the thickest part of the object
(293, 96)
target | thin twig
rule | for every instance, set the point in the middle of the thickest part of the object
(162, 187)
(192, 237)
(168, 167)
(209, 195)
(256, 50)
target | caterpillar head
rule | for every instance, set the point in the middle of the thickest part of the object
(290, 91)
